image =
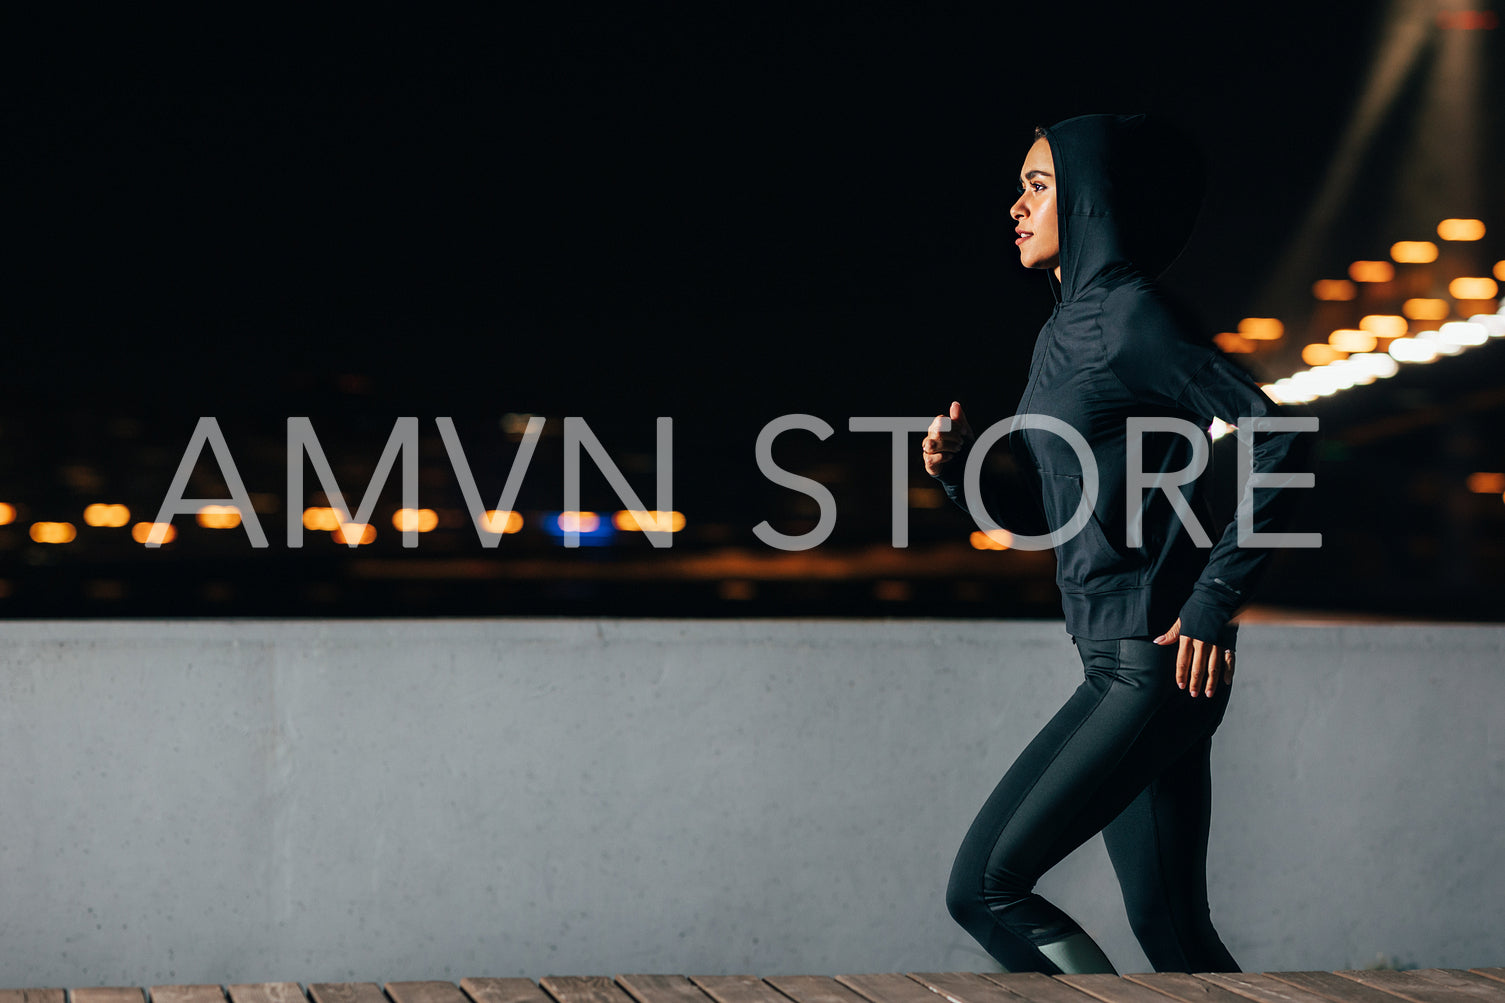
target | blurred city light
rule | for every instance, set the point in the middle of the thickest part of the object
(1235, 343)
(99, 514)
(1381, 364)
(1349, 340)
(354, 532)
(1473, 288)
(500, 521)
(1319, 354)
(577, 522)
(1443, 345)
(53, 532)
(1494, 323)
(1500, 270)
(1412, 350)
(1383, 325)
(1334, 290)
(1426, 309)
(993, 539)
(7, 513)
(630, 520)
(415, 520)
(1261, 328)
(1218, 429)
(592, 529)
(1467, 20)
(1492, 483)
(1463, 334)
(219, 516)
(166, 532)
(1414, 251)
(1461, 229)
(1371, 271)
(324, 519)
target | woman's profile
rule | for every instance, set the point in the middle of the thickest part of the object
(1105, 203)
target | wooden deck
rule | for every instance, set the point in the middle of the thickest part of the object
(1436, 985)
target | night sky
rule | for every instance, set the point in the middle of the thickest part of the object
(700, 210)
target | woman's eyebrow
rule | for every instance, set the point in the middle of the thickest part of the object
(1036, 174)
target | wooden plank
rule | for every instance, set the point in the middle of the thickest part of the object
(107, 994)
(1403, 985)
(1261, 988)
(1476, 986)
(346, 992)
(187, 994)
(1038, 986)
(503, 991)
(267, 992)
(1333, 987)
(424, 992)
(584, 989)
(889, 987)
(1182, 986)
(662, 989)
(738, 989)
(33, 995)
(1112, 989)
(966, 987)
(813, 989)
(1498, 974)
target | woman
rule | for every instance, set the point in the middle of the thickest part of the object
(1106, 202)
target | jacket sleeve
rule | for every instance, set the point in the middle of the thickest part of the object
(1164, 363)
(1012, 502)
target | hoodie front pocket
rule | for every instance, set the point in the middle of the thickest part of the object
(1087, 562)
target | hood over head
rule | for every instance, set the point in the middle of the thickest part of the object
(1128, 190)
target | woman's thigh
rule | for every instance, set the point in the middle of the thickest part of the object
(1125, 723)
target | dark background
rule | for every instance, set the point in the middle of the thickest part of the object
(717, 212)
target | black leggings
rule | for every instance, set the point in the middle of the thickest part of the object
(1127, 755)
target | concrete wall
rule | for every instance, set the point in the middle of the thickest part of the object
(257, 800)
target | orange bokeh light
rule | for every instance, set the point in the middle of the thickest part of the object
(53, 532)
(1335, 290)
(994, 539)
(630, 520)
(415, 520)
(141, 532)
(219, 517)
(1413, 251)
(354, 532)
(1461, 229)
(1371, 271)
(1473, 288)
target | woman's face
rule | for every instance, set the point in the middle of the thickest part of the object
(1034, 214)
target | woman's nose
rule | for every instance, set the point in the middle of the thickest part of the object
(1016, 211)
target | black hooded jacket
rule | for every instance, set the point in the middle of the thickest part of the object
(1116, 347)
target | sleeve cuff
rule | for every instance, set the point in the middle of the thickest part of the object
(1204, 621)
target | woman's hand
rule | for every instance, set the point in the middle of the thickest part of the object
(940, 447)
(1198, 662)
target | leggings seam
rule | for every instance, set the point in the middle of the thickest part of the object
(1160, 873)
(982, 883)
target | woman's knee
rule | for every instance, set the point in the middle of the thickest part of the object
(978, 895)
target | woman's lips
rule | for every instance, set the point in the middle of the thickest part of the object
(1023, 237)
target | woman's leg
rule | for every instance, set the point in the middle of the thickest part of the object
(1124, 725)
(1158, 846)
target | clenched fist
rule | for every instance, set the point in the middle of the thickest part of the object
(945, 438)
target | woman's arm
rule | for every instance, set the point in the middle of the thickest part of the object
(1015, 507)
(1159, 358)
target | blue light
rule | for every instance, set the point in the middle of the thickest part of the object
(595, 530)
